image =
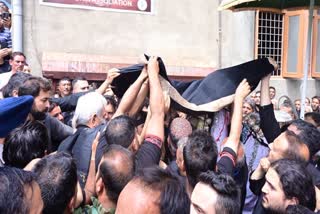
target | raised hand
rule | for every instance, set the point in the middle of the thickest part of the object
(112, 74)
(243, 89)
(153, 65)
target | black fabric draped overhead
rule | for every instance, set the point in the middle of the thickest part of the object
(209, 94)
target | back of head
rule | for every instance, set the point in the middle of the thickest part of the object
(179, 128)
(173, 196)
(88, 105)
(15, 81)
(116, 170)
(296, 181)
(309, 135)
(56, 175)
(76, 80)
(25, 143)
(13, 186)
(121, 130)
(33, 85)
(315, 116)
(228, 194)
(251, 102)
(200, 155)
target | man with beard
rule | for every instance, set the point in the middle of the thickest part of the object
(40, 89)
(287, 183)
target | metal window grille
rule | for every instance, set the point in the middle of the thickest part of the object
(270, 32)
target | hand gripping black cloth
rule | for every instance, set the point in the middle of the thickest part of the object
(209, 94)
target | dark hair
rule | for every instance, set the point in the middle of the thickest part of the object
(200, 155)
(228, 200)
(309, 135)
(294, 151)
(173, 196)
(56, 175)
(111, 101)
(298, 209)
(271, 87)
(116, 174)
(315, 97)
(64, 79)
(296, 181)
(121, 130)
(25, 143)
(33, 85)
(75, 80)
(17, 53)
(315, 116)
(13, 183)
(52, 106)
(15, 81)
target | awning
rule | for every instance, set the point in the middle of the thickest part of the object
(271, 4)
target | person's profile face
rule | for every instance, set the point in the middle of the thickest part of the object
(274, 198)
(278, 147)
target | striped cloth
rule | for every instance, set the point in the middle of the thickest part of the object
(5, 38)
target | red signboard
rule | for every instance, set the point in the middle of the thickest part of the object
(137, 6)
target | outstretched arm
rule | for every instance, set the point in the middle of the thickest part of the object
(156, 124)
(137, 105)
(268, 122)
(131, 94)
(242, 92)
(111, 75)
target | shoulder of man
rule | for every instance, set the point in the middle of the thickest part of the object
(95, 208)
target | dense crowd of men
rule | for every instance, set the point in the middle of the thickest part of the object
(79, 148)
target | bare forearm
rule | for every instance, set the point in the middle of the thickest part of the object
(156, 96)
(236, 125)
(140, 98)
(129, 97)
(264, 96)
(103, 87)
(89, 188)
(144, 130)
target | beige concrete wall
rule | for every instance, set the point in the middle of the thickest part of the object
(183, 32)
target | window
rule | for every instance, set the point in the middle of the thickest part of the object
(316, 46)
(269, 31)
(294, 43)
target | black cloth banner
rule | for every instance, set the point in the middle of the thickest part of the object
(209, 94)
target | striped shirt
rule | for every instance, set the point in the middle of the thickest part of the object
(5, 38)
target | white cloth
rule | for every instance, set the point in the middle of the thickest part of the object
(4, 78)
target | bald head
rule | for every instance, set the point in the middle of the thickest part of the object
(116, 170)
(179, 128)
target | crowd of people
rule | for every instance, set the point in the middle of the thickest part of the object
(81, 149)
